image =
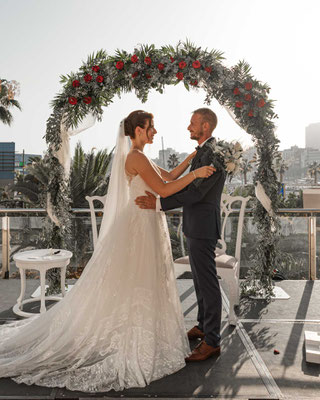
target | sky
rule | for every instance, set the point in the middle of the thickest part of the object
(43, 39)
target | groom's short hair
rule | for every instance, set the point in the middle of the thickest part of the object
(207, 116)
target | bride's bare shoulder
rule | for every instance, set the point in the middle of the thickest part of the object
(136, 155)
(135, 159)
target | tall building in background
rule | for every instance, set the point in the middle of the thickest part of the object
(163, 158)
(7, 152)
(313, 136)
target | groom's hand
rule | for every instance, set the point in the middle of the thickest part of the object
(147, 202)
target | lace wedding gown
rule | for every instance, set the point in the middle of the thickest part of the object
(121, 326)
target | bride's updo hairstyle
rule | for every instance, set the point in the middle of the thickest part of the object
(134, 119)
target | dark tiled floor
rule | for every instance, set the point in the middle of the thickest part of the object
(233, 374)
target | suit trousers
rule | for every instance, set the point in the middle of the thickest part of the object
(206, 283)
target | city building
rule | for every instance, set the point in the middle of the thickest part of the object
(313, 136)
(294, 160)
(298, 161)
(163, 157)
(7, 151)
(310, 156)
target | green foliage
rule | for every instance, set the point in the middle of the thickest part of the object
(229, 86)
(292, 201)
(314, 170)
(173, 161)
(7, 101)
(88, 175)
(32, 186)
(245, 167)
(280, 166)
(87, 178)
(245, 191)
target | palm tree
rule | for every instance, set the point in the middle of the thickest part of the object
(245, 167)
(280, 166)
(88, 175)
(173, 161)
(87, 178)
(33, 185)
(313, 170)
(7, 92)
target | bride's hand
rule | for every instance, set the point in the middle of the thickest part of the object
(204, 172)
(192, 155)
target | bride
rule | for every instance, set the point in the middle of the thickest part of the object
(121, 326)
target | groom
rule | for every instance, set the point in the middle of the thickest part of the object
(201, 226)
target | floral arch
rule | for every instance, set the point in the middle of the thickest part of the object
(98, 80)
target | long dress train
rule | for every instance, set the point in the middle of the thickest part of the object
(121, 325)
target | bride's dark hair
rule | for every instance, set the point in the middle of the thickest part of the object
(134, 119)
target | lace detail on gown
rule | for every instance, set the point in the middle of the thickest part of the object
(121, 326)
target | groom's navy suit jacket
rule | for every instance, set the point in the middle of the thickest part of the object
(200, 200)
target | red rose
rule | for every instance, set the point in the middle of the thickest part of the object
(239, 104)
(208, 69)
(194, 83)
(87, 100)
(119, 65)
(247, 97)
(182, 64)
(160, 66)
(87, 78)
(96, 68)
(250, 113)
(135, 74)
(148, 76)
(148, 61)
(73, 100)
(172, 59)
(196, 64)
(179, 75)
(99, 78)
(236, 91)
(261, 103)
(134, 59)
(75, 83)
(248, 86)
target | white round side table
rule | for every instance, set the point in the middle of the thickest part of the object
(41, 260)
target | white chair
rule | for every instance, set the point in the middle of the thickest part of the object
(228, 267)
(90, 200)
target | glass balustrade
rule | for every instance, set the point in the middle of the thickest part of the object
(26, 230)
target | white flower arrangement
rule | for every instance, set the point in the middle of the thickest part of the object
(226, 155)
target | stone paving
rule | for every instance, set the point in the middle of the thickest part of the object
(248, 368)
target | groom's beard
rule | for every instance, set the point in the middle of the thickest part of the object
(196, 136)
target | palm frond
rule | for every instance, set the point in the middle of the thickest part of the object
(5, 116)
(15, 103)
(97, 57)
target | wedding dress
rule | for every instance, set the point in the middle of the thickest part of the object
(121, 326)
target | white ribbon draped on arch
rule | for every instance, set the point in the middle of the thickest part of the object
(259, 189)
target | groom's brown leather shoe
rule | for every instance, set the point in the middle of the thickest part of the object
(203, 351)
(195, 333)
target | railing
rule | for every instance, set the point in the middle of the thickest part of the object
(22, 228)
